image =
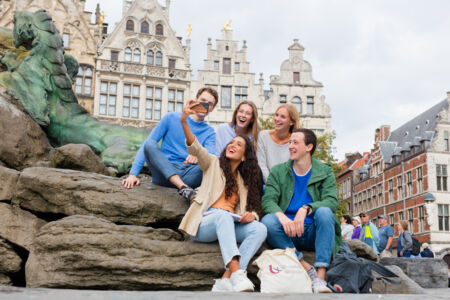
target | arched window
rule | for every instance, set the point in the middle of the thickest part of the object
(150, 57)
(144, 27)
(137, 56)
(297, 102)
(130, 25)
(127, 54)
(159, 58)
(83, 81)
(159, 29)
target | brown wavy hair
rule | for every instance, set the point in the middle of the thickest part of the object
(251, 174)
(253, 127)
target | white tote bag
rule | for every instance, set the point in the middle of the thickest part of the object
(281, 272)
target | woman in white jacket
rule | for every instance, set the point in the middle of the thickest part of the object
(227, 206)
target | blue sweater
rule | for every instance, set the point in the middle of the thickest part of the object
(173, 144)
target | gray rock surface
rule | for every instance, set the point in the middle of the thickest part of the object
(18, 226)
(68, 192)
(78, 157)
(427, 272)
(5, 280)
(406, 286)
(23, 142)
(10, 262)
(361, 249)
(8, 180)
(89, 253)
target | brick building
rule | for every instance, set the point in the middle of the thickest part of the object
(405, 177)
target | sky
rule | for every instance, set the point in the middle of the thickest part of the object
(381, 62)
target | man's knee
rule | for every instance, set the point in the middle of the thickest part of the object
(271, 222)
(150, 146)
(324, 214)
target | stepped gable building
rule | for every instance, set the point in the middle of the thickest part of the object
(226, 69)
(406, 177)
(296, 85)
(143, 69)
(80, 36)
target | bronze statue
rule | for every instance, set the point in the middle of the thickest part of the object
(39, 75)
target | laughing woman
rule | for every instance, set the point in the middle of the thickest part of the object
(273, 144)
(227, 206)
(244, 122)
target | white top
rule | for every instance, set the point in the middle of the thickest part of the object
(270, 153)
(347, 231)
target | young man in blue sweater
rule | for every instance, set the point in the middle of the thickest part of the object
(170, 164)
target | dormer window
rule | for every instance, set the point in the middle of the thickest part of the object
(159, 29)
(130, 25)
(144, 27)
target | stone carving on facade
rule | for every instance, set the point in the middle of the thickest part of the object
(133, 68)
(180, 74)
(112, 66)
(155, 71)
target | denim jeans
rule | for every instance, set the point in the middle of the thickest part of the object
(221, 226)
(318, 236)
(162, 169)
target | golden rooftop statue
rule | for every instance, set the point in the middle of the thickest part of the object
(189, 30)
(101, 19)
(226, 26)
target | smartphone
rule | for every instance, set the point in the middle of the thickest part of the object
(205, 105)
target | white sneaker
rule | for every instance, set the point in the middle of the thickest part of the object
(240, 282)
(320, 286)
(222, 285)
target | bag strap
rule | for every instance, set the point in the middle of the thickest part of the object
(396, 282)
(380, 269)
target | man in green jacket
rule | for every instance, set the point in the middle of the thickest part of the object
(300, 202)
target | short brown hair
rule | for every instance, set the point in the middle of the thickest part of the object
(310, 137)
(209, 90)
(404, 224)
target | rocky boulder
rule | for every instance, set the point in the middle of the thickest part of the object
(23, 142)
(427, 272)
(84, 252)
(10, 262)
(78, 157)
(361, 249)
(18, 226)
(59, 192)
(8, 180)
(406, 286)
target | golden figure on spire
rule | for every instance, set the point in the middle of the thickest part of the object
(101, 19)
(189, 30)
(226, 26)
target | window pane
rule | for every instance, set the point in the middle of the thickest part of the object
(136, 90)
(236, 66)
(158, 93)
(179, 107)
(87, 85)
(88, 72)
(135, 102)
(111, 110)
(150, 57)
(127, 54)
(112, 100)
(158, 58)
(157, 105)
(172, 63)
(104, 87)
(113, 88)
(180, 95)
(130, 25)
(126, 101)
(226, 97)
(137, 56)
(144, 27)
(171, 106)
(126, 112)
(148, 114)
(296, 101)
(216, 65)
(114, 55)
(226, 68)
(149, 104)
(171, 94)
(126, 89)
(135, 113)
(102, 109)
(78, 84)
(102, 99)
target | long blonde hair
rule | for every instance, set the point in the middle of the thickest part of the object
(253, 126)
(293, 115)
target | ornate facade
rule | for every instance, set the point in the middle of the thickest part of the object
(80, 36)
(226, 69)
(143, 69)
(296, 86)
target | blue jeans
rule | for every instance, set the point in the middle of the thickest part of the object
(318, 236)
(162, 169)
(221, 226)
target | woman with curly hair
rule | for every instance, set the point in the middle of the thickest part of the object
(227, 206)
(244, 122)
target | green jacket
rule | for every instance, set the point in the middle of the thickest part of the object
(321, 187)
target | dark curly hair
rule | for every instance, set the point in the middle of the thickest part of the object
(251, 174)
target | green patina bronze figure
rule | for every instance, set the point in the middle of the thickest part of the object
(39, 75)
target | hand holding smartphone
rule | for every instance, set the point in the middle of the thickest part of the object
(200, 107)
